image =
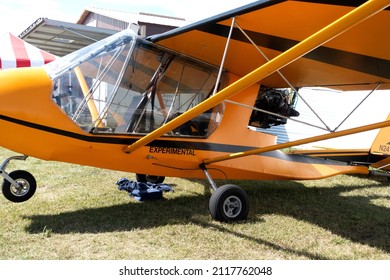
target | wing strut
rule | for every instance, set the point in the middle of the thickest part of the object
(339, 26)
(224, 56)
(300, 142)
(361, 102)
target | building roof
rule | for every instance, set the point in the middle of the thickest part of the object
(60, 38)
(134, 17)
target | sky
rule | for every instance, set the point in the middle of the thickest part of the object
(17, 15)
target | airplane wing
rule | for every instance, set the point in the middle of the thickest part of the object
(357, 59)
(294, 61)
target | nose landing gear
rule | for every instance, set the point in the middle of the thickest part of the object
(18, 185)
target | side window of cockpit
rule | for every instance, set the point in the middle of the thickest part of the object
(84, 91)
(128, 105)
(185, 85)
(155, 88)
(67, 93)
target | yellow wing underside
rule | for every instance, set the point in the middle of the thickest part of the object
(357, 59)
(342, 47)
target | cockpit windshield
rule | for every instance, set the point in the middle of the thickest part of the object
(126, 85)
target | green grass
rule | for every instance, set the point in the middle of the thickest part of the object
(77, 213)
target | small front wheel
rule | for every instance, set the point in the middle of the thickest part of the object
(229, 203)
(25, 188)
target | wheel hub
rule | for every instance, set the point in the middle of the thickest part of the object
(232, 206)
(21, 188)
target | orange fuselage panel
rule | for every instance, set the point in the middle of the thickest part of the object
(32, 124)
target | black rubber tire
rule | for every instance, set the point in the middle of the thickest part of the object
(229, 203)
(27, 183)
(149, 178)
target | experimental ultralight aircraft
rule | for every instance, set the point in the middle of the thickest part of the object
(182, 103)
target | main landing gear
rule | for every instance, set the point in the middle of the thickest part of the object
(18, 185)
(228, 203)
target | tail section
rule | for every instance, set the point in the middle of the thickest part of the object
(381, 147)
(381, 144)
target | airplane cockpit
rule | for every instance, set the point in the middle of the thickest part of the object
(126, 85)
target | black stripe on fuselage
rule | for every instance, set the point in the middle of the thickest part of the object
(169, 143)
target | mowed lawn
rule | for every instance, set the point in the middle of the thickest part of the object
(78, 213)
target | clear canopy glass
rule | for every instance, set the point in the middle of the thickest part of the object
(126, 85)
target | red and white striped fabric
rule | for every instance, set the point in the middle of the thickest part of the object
(14, 53)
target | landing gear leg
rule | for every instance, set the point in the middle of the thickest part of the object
(228, 203)
(18, 185)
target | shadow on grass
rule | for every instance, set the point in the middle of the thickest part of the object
(351, 217)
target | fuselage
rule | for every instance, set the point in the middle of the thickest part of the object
(87, 109)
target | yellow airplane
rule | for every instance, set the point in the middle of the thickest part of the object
(181, 103)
